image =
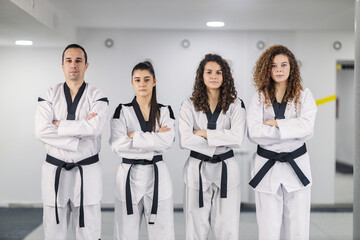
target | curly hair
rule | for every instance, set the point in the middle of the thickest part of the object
(264, 83)
(227, 90)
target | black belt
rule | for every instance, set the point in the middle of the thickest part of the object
(214, 159)
(281, 157)
(154, 207)
(68, 166)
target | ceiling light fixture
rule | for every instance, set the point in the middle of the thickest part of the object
(215, 24)
(23, 42)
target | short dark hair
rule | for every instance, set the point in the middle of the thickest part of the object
(74, 46)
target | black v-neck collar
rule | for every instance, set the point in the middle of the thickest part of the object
(212, 117)
(146, 126)
(279, 108)
(71, 106)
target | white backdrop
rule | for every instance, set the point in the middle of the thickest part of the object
(27, 72)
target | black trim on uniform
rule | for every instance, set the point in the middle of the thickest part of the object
(68, 166)
(171, 112)
(146, 126)
(212, 117)
(214, 159)
(242, 104)
(104, 99)
(117, 111)
(128, 197)
(281, 157)
(71, 106)
(279, 108)
(40, 99)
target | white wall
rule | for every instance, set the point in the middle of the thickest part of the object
(346, 118)
(25, 73)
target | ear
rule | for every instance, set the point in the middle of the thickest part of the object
(86, 65)
(154, 82)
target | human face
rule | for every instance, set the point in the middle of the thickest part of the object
(280, 68)
(213, 77)
(143, 82)
(74, 65)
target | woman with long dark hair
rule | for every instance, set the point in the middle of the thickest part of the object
(280, 119)
(140, 132)
(211, 123)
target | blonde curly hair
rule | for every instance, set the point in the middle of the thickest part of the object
(264, 83)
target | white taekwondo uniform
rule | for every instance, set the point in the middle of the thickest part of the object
(74, 140)
(282, 199)
(136, 194)
(217, 205)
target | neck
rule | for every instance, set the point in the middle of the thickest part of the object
(144, 102)
(74, 86)
(280, 89)
(213, 96)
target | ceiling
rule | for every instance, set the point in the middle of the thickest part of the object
(49, 24)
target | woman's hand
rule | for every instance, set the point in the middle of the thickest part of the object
(130, 134)
(272, 123)
(164, 129)
(201, 133)
(91, 115)
(56, 123)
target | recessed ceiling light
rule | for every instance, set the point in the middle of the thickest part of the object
(215, 24)
(24, 42)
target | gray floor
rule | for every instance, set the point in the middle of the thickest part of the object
(323, 225)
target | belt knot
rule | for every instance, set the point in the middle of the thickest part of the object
(69, 166)
(280, 157)
(214, 159)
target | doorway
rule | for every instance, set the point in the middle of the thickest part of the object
(345, 121)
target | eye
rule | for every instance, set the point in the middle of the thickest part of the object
(284, 65)
(78, 61)
(273, 65)
(208, 72)
(219, 73)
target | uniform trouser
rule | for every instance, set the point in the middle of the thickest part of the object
(221, 215)
(289, 211)
(92, 219)
(127, 227)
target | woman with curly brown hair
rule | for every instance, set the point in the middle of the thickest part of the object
(280, 119)
(211, 123)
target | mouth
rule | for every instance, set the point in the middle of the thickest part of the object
(279, 76)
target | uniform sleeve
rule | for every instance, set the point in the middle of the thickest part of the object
(258, 132)
(119, 141)
(188, 139)
(84, 128)
(154, 141)
(234, 136)
(301, 127)
(46, 131)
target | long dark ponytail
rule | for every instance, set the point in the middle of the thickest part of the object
(155, 111)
